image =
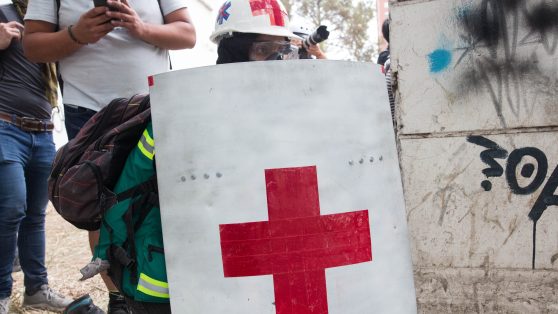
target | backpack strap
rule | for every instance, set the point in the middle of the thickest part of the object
(140, 208)
(58, 75)
(153, 201)
(143, 188)
(57, 13)
(116, 270)
(160, 9)
(145, 195)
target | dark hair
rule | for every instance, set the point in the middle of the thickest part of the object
(236, 48)
(385, 29)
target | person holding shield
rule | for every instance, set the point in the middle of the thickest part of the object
(253, 31)
(137, 263)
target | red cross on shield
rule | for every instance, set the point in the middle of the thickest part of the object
(271, 8)
(297, 244)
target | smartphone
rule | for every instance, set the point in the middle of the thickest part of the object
(102, 3)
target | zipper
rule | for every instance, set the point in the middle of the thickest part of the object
(153, 248)
(98, 177)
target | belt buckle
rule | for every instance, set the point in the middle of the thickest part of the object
(32, 124)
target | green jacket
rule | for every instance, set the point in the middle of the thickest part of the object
(145, 279)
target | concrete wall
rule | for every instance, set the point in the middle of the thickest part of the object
(477, 112)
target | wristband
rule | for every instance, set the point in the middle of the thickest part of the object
(73, 37)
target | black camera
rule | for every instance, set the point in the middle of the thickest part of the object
(319, 35)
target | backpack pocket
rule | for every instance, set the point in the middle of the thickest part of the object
(152, 273)
(83, 196)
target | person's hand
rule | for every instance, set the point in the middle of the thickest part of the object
(92, 26)
(9, 31)
(315, 51)
(125, 16)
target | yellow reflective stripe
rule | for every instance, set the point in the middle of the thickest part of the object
(153, 293)
(148, 138)
(154, 282)
(145, 152)
(153, 287)
(146, 145)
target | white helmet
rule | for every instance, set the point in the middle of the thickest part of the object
(300, 27)
(267, 17)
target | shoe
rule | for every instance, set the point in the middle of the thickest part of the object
(83, 305)
(16, 268)
(117, 304)
(46, 299)
(5, 305)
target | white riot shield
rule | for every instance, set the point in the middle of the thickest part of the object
(280, 190)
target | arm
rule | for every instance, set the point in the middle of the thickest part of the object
(43, 44)
(178, 32)
(317, 52)
(9, 31)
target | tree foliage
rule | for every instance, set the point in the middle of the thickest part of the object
(349, 20)
(288, 5)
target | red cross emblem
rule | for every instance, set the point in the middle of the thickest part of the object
(296, 245)
(271, 8)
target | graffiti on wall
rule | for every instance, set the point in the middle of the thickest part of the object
(525, 172)
(502, 41)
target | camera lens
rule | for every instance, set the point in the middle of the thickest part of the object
(316, 37)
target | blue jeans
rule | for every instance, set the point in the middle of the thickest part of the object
(75, 118)
(25, 164)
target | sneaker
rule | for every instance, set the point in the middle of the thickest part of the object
(46, 299)
(83, 305)
(117, 304)
(4, 305)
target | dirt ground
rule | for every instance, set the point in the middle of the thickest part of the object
(67, 250)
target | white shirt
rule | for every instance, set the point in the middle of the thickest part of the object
(116, 66)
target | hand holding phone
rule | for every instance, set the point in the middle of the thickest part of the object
(126, 17)
(91, 26)
(103, 3)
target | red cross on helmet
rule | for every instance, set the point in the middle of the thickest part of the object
(267, 17)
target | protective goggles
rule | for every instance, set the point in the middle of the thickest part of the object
(273, 50)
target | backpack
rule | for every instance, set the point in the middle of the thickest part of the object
(131, 238)
(86, 169)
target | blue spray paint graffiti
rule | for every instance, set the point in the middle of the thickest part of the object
(439, 60)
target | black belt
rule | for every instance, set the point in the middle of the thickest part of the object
(27, 124)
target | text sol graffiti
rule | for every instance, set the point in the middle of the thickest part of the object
(533, 172)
